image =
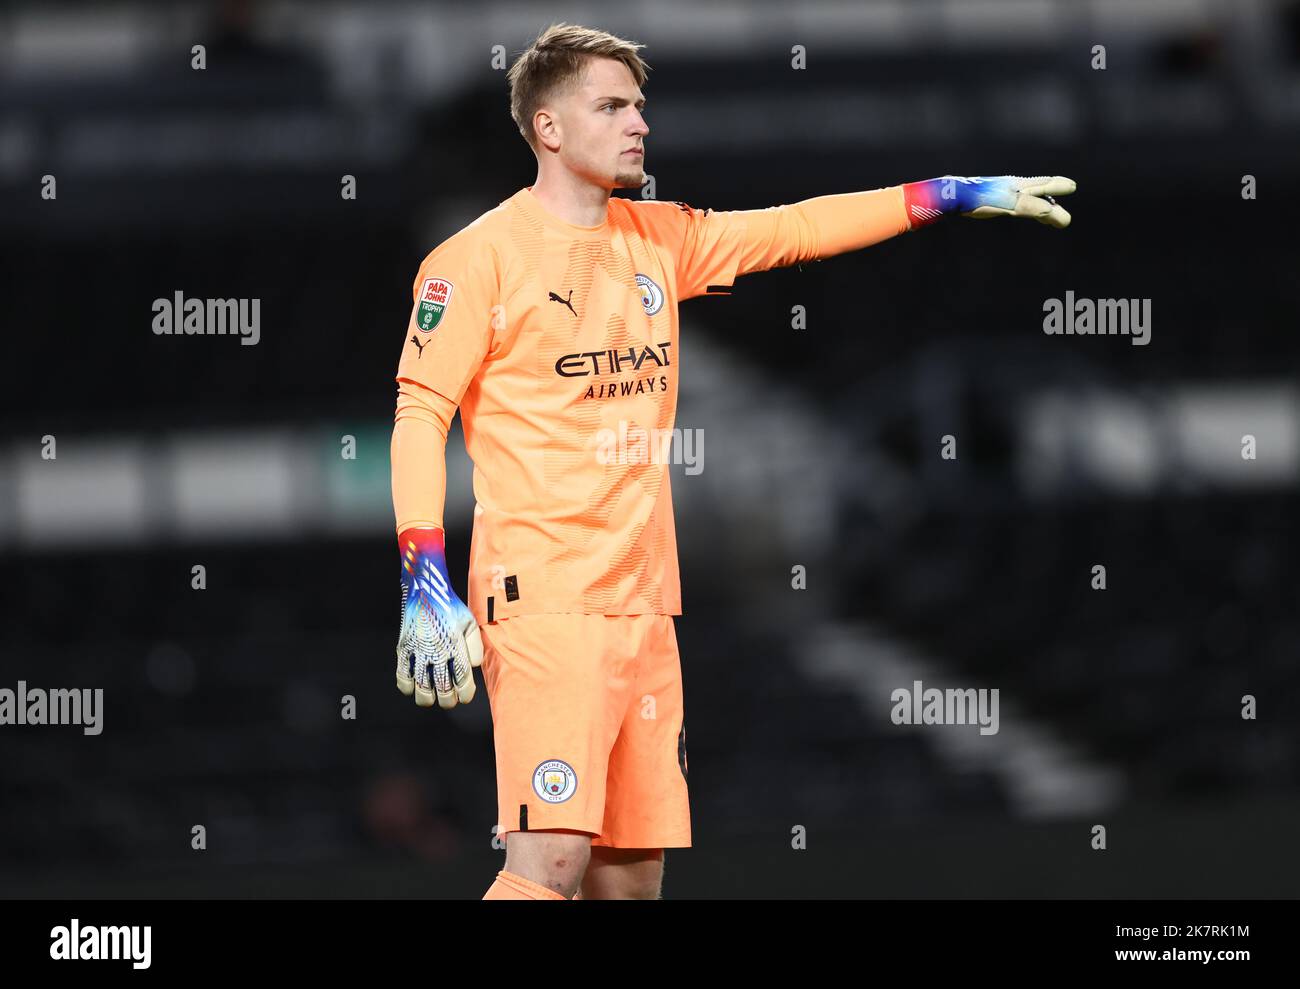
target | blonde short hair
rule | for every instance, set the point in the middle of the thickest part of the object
(557, 60)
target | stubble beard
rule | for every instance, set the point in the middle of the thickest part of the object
(629, 179)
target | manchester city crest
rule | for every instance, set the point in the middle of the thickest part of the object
(652, 296)
(555, 781)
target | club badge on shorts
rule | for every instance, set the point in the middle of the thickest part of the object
(555, 781)
(435, 297)
(652, 296)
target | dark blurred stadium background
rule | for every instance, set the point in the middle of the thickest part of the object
(222, 706)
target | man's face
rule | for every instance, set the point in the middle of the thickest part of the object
(598, 123)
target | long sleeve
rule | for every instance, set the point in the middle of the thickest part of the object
(454, 296)
(710, 249)
(419, 455)
(818, 228)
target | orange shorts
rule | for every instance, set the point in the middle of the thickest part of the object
(587, 720)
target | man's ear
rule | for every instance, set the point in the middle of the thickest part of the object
(547, 129)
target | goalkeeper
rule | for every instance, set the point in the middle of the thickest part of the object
(548, 321)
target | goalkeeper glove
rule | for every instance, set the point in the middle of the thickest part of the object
(985, 197)
(439, 641)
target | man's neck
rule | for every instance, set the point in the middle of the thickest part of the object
(572, 199)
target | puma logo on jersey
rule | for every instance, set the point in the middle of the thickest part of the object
(418, 346)
(556, 298)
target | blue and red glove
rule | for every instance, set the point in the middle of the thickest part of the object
(439, 642)
(983, 198)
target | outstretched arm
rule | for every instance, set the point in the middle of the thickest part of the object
(711, 249)
(825, 226)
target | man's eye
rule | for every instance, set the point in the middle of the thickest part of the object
(610, 106)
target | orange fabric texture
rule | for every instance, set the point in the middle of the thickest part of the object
(588, 727)
(508, 886)
(559, 343)
(418, 456)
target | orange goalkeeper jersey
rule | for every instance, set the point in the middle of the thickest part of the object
(560, 345)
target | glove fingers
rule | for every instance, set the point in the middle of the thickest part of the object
(465, 686)
(1058, 218)
(424, 676)
(405, 678)
(445, 669)
(405, 668)
(468, 647)
(405, 682)
(428, 696)
(1046, 185)
(1028, 206)
(462, 673)
(447, 700)
(443, 672)
(474, 642)
(432, 681)
(1043, 211)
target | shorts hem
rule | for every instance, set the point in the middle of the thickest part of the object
(678, 841)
